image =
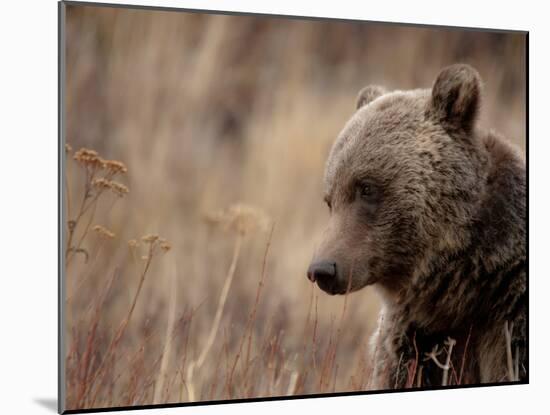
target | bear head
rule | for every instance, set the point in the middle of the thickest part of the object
(403, 182)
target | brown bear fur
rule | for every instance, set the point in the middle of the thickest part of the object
(430, 210)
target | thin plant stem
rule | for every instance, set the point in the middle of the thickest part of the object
(124, 323)
(215, 325)
(159, 386)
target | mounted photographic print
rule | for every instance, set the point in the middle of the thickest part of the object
(259, 207)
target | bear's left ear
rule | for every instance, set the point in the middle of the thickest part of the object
(456, 97)
(369, 94)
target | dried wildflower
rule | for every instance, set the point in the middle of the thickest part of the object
(165, 246)
(103, 232)
(150, 238)
(114, 166)
(85, 152)
(102, 183)
(241, 218)
(132, 243)
(68, 148)
(119, 189)
(88, 158)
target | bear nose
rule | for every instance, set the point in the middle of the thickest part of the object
(322, 270)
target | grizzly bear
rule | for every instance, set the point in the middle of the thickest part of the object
(431, 210)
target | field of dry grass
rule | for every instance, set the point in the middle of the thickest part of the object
(192, 222)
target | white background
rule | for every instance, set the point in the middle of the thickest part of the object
(28, 235)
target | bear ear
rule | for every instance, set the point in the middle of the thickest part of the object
(369, 94)
(456, 96)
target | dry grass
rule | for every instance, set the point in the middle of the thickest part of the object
(223, 125)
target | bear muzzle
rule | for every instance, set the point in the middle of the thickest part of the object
(325, 274)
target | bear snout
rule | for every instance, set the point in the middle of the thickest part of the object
(324, 274)
(321, 270)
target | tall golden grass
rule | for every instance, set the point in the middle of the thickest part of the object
(222, 125)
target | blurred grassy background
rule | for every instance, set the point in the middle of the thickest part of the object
(210, 110)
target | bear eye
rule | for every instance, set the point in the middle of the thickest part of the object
(367, 191)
